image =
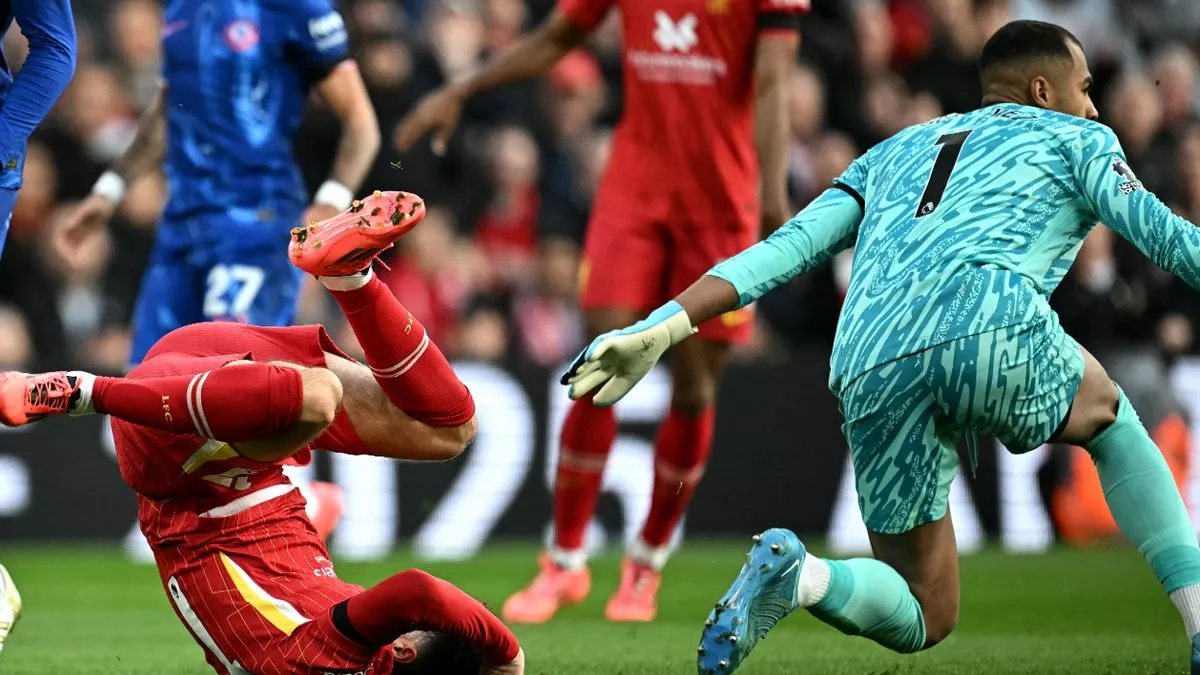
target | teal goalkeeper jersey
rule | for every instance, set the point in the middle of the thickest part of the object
(963, 225)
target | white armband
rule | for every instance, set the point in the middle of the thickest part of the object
(333, 193)
(111, 186)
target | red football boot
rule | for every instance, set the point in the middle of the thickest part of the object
(348, 242)
(26, 398)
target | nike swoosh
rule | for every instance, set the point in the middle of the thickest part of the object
(172, 28)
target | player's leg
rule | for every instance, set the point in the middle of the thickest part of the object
(1140, 490)
(171, 295)
(684, 441)
(681, 452)
(10, 607)
(267, 410)
(891, 419)
(409, 369)
(622, 274)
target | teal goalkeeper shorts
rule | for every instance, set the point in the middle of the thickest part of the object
(904, 418)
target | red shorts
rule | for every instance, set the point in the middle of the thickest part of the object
(256, 591)
(638, 263)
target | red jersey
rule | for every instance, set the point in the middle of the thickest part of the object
(686, 137)
(178, 476)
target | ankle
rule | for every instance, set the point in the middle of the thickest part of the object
(570, 560)
(351, 282)
(654, 557)
(81, 400)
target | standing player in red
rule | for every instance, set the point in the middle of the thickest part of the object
(697, 171)
(202, 428)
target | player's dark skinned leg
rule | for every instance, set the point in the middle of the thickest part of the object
(1140, 490)
(927, 558)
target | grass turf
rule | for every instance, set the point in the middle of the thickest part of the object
(89, 611)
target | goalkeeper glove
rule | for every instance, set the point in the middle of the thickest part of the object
(619, 359)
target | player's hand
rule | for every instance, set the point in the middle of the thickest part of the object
(438, 114)
(83, 223)
(517, 667)
(318, 212)
(619, 359)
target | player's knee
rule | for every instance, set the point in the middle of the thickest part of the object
(322, 397)
(940, 619)
(450, 442)
(694, 397)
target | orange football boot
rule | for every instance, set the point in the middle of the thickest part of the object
(636, 597)
(349, 242)
(552, 589)
(26, 397)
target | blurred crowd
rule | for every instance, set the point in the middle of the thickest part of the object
(492, 271)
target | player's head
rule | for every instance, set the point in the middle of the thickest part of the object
(1038, 64)
(422, 652)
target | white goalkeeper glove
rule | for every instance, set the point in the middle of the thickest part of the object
(619, 359)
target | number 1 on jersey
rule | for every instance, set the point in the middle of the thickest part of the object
(935, 189)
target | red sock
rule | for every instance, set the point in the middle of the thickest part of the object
(587, 438)
(414, 600)
(409, 368)
(239, 403)
(680, 455)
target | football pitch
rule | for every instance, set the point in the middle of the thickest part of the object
(89, 611)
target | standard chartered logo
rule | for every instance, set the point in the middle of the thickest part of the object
(675, 37)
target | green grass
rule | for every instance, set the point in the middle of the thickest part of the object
(88, 611)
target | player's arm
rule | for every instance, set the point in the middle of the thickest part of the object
(774, 61)
(319, 46)
(346, 94)
(532, 56)
(144, 154)
(1120, 200)
(417, 600)
(49, 26)
(620, 359)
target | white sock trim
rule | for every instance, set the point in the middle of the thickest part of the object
(654, 556)
(569, 560)
(1187, 601)
(352, 282)
(813, 583)
(83, 405)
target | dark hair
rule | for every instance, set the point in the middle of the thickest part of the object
(1026, 40)
(442, 654)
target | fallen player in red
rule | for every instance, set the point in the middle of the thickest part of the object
(203, 427)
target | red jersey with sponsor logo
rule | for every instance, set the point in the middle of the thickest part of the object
(686, 138)
(178, 476)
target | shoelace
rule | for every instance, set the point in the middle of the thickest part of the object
(49, 393)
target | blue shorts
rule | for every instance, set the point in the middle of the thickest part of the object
(7, 199)
(230, 271)
(904, 419)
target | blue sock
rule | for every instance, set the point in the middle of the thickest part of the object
(1146, 505)
(868, 598)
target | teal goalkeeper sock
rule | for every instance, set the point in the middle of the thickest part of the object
(1144, 500)
(867, 597)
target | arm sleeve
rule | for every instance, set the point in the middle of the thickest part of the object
(826, 227)
(317, 40)
(1119, 200)
(781, 16)
(433, 604)
(50, 28)
(585, 14)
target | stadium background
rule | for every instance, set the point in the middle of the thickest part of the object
(492, 270)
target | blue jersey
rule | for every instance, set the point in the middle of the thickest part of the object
(25, 101)
(963, 225)
(237, 75)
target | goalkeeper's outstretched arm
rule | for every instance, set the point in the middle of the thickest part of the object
(826, 227)
(1119, 200)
